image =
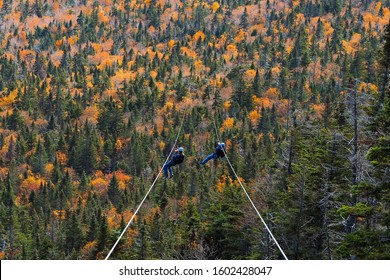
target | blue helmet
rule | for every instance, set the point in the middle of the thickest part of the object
(222, 145)
(181, 149)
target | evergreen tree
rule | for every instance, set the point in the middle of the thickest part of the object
(40, 159)
(114, 194)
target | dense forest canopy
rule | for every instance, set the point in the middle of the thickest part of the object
(92, 94)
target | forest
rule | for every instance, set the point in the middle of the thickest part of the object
(92, 95)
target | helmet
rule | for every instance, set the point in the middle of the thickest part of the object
(181, 149)
(223, 145)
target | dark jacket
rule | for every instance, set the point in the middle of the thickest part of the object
(219, 151)
(177, 158)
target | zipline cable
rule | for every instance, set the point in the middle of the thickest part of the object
(150, 189)
(246, 193)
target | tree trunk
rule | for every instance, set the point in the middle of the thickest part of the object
(351, 221)
(383, 91)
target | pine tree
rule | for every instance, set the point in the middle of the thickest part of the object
(385, 63)
(244, 19)
(114, 194)
(40, 159)
(73, 233)
(224, 232)
(103, 234)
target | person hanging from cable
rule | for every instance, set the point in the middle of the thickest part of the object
(176, 158)
(219, 153)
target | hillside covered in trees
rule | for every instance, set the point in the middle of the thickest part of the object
(91, 98)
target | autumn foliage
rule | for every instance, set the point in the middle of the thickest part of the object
(92, 94)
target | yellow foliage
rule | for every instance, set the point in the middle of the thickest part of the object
(171, 44)
(161, 145)
(352, 45)
(33, 22)
(91, 113)
(289, 49)
(174, 15)
(226, 57)
(231, 51)
(368, 18)
(56, 57)
(262, 102)
(221, 41)
(378, 6)
(72, 40)
(105, 63)
(121, 76)
(215, 6)
(231, 48)
(160, 86)
(385, 19)
(267, 102)
(355, 40)
(198, 65)
(276, 70)
(2, 254)
(222, 182)
(198, 35)
(113, 218)
(59, 214)
(151, 29)
(240, 36)
(7, 101)
(226, 180)
(186, 51)
(151, 53)
(261, 136)
(268, 39)
(227, 105)
(153, 74)
(367, 87)
(4, 172)
(227, 124)
(123, 179)
(328, 28)
(272, 93)
(254, 115)
(250, 73)
(99, 185)
(299, 19)
(97, 47)
(27, 54)
(347, 47)
(318, 109)
(61, 158)
(118, 145)
(102, 17)
(49, 168)
(168, 106)
(59, 43)
(56, 6)
(88, 250)
(31, 183)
